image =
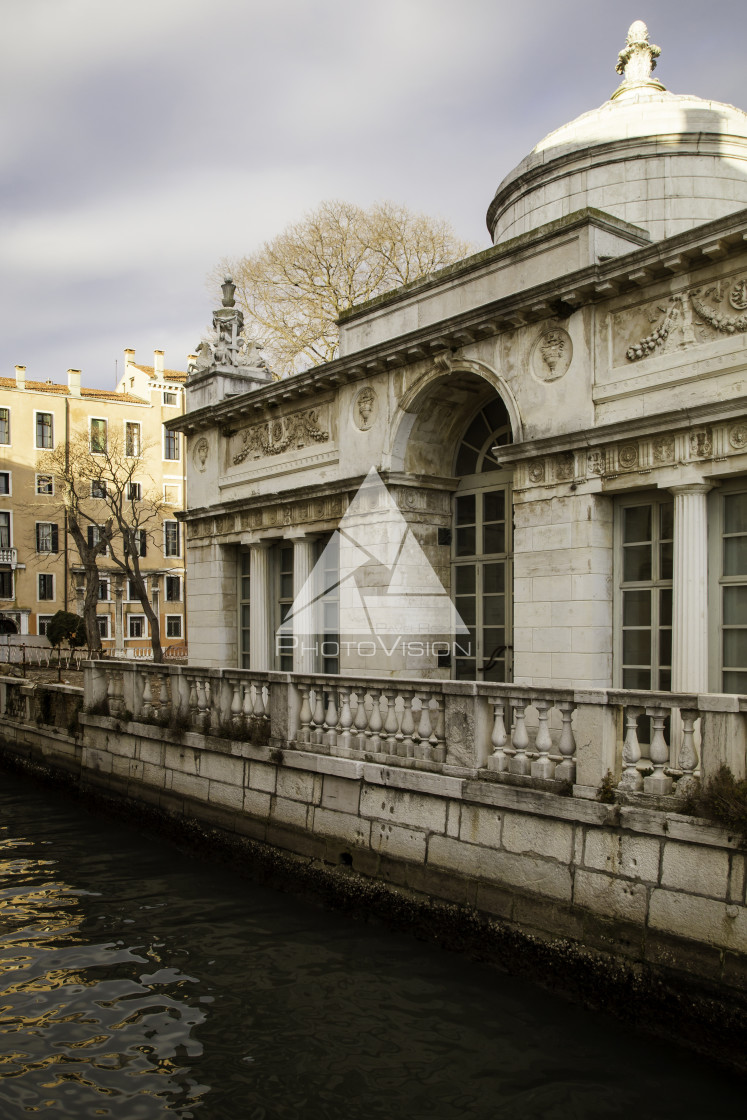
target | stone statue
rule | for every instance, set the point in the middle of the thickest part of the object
(637, 60)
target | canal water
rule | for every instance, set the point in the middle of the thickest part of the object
(138, 982)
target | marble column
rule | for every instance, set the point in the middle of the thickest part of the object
(690, 594)
(260, 607)
(304, 655)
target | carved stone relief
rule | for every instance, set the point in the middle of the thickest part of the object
(564, 466)
(627, 456)
(551, 354)
(279, 434)
(663, 449)
(701, 443)
(200, 454)
(536, 471)
(365, 408)
(683, 320)
(595, 461)
(738, 435)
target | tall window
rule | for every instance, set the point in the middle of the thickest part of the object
(283, 602)
(134, 491)
(44, 484)
(4, 482)
(6, 584)
(94, 534)
(4, 425)
(733, 591)
(44, 430)
(98, 488)
(173, 626)
(132, 439)
(136, 626)
(46, 586)
(244, 608)
(42, 623)
(645, 532)
(46, 537)
(173, 589)
(103, 590)
(171, 542)
(103, 625)
(328, 566)
(5, 533)
(141, 542)
(170, 398)
(98, 436)
(170, 444)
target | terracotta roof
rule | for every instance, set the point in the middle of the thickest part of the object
(166, 374)
(64, 391)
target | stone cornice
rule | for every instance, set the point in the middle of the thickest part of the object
(557, 298)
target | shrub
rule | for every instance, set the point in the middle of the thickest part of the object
(723, 799)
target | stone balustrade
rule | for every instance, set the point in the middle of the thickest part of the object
(561, 740)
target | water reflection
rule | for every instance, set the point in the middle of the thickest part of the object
(138, 982)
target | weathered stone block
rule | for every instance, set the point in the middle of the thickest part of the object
(340, 794)
(222, 768)
(614, 898)
(453, 814)
(737, 878)
(189, 785)
(285, 811)
(342, 826)
(397, 842)
(153, 775)
(700, 919)
(151, 752)
(262, 776)
(257, 803)
(481, 825)
(636, 857)
(231, 796)
(541, 836)
(695, 869)
(527, 873)
(402, 807)
(299, 786)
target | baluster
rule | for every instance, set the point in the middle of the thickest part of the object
(202, 713)
(361, 720)
(192, 705)
(375, 723)
(304, 716)
(407, 727)
(519, 764)
(260, 708)
(631, 779)
(658, 782)
(498, 761)
(688, 756)
(425, 730)
(317, 735)
(208, 716)
(166, 694)
(147, 697)
(346, 719)
(391, 726)
(248, 702)
(438, 736)
(236, 720)
(543, 766)
(330, 720)
(565, 771)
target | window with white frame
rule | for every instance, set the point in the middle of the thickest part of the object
(171, 539)
(98, 488)
(170, 444)
(44, 484)
(4, 482)
(47, 537)
(98, 436)
(136, 626)
(141, 542)
(729, 541)
(173, 589)
(173, 626)
(94, 534)
(4, 426)
(44, 428)
(245, 607)
(6, 529)
(102, 621)
(6, 583)
(132, 439)
(134, 492)
(283, 579)
(104, 590)
(45, 586)
(170, 399)
(132, 595)
(42, 624)
(645, 530)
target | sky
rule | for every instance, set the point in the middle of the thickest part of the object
(142, 141)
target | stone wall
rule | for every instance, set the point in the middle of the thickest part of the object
(651, 886)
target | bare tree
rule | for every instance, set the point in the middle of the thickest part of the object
(109, 479)
(296, 286)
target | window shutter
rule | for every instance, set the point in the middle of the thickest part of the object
(38, 537)
(91, 541)
(55, 539)
(143, 542)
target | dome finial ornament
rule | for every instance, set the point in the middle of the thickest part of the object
(637, 60)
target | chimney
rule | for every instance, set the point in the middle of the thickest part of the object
(129, 357)
(73, 382)
(158, 361)
(20, 377)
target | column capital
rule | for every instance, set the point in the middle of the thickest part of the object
(692, 487)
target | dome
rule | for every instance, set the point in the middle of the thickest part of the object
(659, 160)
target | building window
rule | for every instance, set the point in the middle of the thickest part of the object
(645, 534)
(244, 608)
(98, 437)
(6, 584)
(103, 624)
(98, 488)
(46, 586)
(94, 534)
(170, 399)
(136, 626)
(171, 541)
(44, 430)
(170, 444)
(4, 425)
(42, 624)
(134, 492)
(328, 568)
(46, 537)
(44, 484)
(103, 590)
(172, 494)
(5, 527)
(132, 439)
(173, 626)
(173, 589)
(4, 482)
(141, 542)
(283, 603)
(132, 595)
(732, 569)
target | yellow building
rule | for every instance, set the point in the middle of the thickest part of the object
(40, 570)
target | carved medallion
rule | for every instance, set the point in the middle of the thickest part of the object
(564, 466)
(200, 454)
(663, 449)
(627, 456)
(738, 435)
(738, 295)
(551, 354)
(701, 443)
(537, 471)
(365, 407)
(595, 461)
